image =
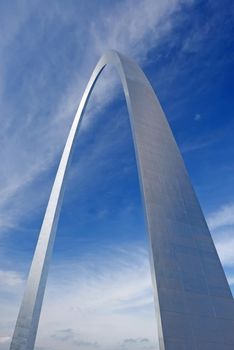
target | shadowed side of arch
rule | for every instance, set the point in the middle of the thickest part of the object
(183, 281)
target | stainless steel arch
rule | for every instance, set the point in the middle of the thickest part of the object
(194, 304)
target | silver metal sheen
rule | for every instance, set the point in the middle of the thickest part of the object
(194, 304)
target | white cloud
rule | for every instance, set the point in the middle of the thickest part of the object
(11, 291)
(137, 343)
(221, 223)
(222, 217)
(9, 279)
(224, 242)
(4, 340)
(93, 298)
(226, 251)
(132, 27)
(231, 280)
(87, 299)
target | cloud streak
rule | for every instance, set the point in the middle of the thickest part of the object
(132, 27)
(221, 223)
(87, 299)
(9, 279)
(222, 217)
(94, 298)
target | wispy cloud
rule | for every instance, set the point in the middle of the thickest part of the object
(87, 299)
(225, 247)
(137, 343)
(231, 280)
(4, 340)
(64, 334)
(195, 145)
(42, 110)
(10, 279)
(221, 223)
(222, 217)
(101, 296)
(69, 335)
(11, 290)
(133, 27)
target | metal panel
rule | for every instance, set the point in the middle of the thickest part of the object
(193, 300)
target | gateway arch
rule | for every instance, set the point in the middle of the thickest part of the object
(194, 304)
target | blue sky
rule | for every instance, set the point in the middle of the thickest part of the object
(99, 291)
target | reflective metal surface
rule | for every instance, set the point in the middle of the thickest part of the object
(195, 308)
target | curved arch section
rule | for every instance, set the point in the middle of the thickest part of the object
(176, 227)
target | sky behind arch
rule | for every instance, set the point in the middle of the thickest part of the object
(48, 50)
